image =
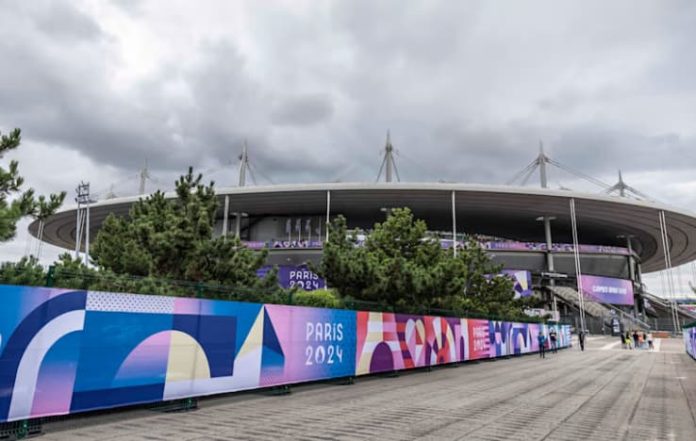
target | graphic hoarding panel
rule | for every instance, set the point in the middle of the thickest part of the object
(690, 341)
(64, 351)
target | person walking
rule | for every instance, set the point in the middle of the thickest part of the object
(541, 338)
(650, 342)
(581, 339)
(635, 339)
(553, 337)
(628, 340)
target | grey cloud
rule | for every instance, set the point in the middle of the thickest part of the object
(302, 110)
(423, 71)
(62, 20)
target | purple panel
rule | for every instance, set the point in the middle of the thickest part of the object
(607, 289)
(301, 276)
(522, 281)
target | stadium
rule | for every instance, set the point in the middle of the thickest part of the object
(553, 242)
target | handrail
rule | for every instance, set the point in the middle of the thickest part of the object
(665, 304)
(627, 316)
(607, 307)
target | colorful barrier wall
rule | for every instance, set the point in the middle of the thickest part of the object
(64, 351)
(689, 333)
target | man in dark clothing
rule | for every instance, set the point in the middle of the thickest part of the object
(581, 339)
(552, 336)
(635, 339)
(541, 338)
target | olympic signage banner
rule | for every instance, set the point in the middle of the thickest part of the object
(522, 282)
(607, 289)
(64, 351)
(300, 276)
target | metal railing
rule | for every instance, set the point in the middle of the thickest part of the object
(599, 310)
(624, 315)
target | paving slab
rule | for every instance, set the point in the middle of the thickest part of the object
(603, 393)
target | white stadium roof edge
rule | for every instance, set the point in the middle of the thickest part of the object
(502, 211)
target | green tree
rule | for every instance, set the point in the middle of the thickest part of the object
(173, 239)
(22, 204)
(399, 268)
(26, 271)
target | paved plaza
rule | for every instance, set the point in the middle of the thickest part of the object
(604, 393)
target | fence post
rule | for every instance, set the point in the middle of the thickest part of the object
(50, 276)
(199, 290)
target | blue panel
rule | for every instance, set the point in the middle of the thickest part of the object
(216, 335)
(107, 340)
(112, 397)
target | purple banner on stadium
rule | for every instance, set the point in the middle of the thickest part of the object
(447, 244)
(607, 289)
(301, 276)
(522, 280)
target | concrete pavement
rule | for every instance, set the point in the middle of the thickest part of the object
(604, 393)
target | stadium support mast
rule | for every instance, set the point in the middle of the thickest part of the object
(144, 176)
(389, 157)
(541, 162)
(388, 163)
(625, 190)
(243, 165)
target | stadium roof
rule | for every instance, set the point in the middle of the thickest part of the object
(502, 211)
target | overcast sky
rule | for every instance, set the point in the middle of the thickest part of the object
(467, 90)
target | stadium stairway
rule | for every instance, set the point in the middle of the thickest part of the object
(660, 313)
(598, 310)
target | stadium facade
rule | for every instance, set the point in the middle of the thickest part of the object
(524, 229)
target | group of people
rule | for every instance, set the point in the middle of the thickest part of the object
(552, 342)
(637, 340)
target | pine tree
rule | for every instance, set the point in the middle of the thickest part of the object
(174, 239)
(399, 268)
(15, 203)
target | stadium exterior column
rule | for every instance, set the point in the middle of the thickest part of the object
(78, 231)
(238, 226)
(578, 270)
(225, 215)
(549, 257)
(632, 273)
(328, 212)
(549, 244)
(668, 268)
(454, 223)
(87, 231)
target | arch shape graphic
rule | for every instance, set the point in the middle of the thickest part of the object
(30, 363)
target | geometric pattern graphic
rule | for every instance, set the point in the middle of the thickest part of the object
(65, 351)
(389, 342)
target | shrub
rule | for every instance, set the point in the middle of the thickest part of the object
(25, 272)
(320, 298)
